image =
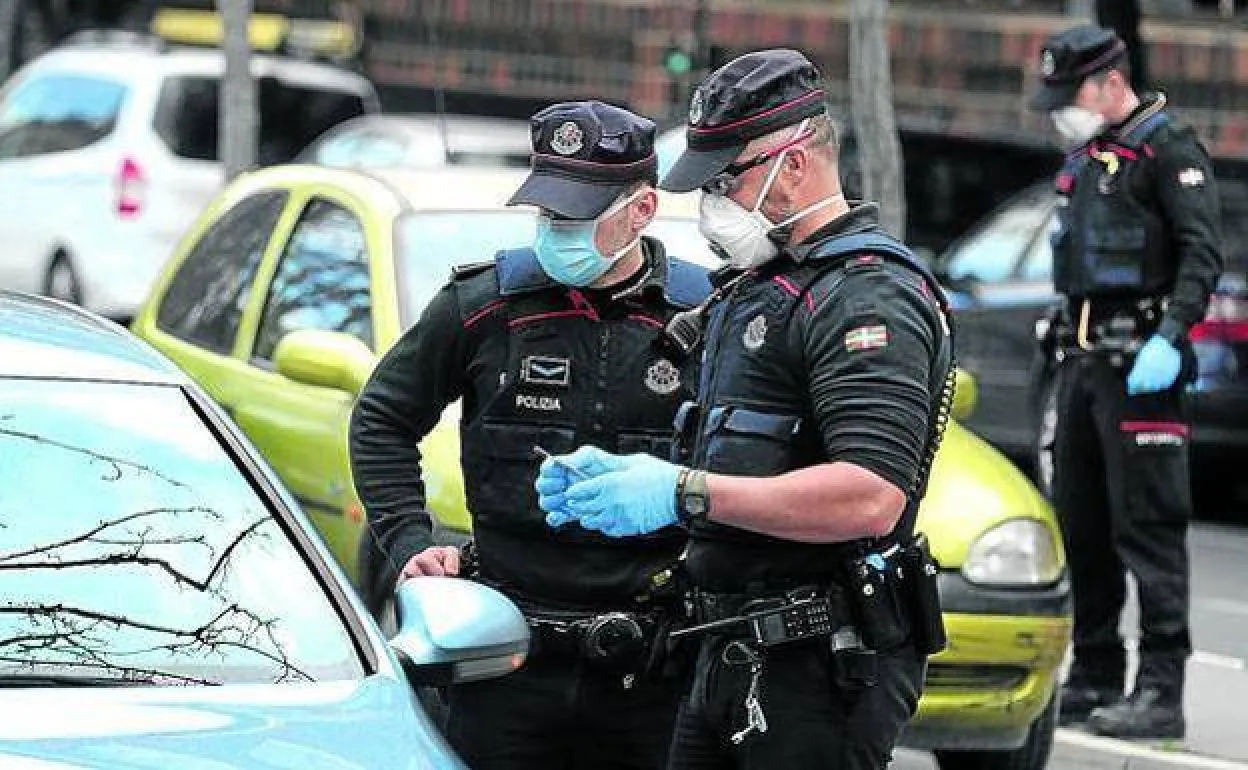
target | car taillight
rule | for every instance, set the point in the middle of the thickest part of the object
(129, 188)
(1226, 320)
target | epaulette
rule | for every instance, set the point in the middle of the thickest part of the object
(837, 251)
(460, 272)
(476, 286)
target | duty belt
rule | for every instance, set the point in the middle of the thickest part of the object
(613, 639)
(1111, 327)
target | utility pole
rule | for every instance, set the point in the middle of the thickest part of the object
(237, 114)
(1123, 17)
(871, 102)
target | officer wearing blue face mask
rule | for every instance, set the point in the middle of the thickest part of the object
(1136, 255)
(554, 344)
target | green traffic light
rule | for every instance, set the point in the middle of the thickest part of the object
(678, 62)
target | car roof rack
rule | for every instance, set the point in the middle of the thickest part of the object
(94, 36)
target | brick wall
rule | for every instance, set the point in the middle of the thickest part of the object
(965, 73)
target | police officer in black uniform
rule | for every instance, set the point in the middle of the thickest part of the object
(553, 346)
(824, 389)
(1136, 255)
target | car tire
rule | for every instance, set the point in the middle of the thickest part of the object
(61, 280)
(1044, 435)
(1032, 755)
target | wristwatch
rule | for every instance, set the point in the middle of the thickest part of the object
(693, 500)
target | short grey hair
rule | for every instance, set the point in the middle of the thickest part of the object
(826, 135)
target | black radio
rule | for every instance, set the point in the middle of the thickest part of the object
(790, 622)
(779, 620)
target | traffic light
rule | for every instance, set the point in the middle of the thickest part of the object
(677, 61)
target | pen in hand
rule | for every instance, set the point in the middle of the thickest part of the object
(576, 473)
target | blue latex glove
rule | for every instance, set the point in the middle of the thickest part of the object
(1156, 367)
(557, 474)
(619, 496)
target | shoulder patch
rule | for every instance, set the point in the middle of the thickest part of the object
(867, 337)
(1191, 177)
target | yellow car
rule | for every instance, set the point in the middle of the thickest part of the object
(282, 296)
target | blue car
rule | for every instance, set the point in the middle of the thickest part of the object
(999, 276)
(164, 603)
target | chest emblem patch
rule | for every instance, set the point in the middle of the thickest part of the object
(663, 377)
(546, 370)
(866, 338)
(755, 333)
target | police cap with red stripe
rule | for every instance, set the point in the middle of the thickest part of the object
(1069, 57)
(585, 156)
(748, 97)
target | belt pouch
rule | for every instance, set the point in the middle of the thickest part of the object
(919, 581)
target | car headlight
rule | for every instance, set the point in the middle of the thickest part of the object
(1019, 552)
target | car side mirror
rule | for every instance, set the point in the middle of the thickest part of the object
(325, 359)
(966, 394)
(452, 630)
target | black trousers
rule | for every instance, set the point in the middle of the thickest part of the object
(811, 720)
(1122, 491)
(559, 714)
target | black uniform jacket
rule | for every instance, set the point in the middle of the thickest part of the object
(846, 364)
(533, 363)
(1173, 186)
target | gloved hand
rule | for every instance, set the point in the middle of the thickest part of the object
(557, 474)
(619, 496)
(1156, 367)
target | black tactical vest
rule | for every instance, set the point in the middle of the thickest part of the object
(754, 416)
(1111, 240)
(552, 370)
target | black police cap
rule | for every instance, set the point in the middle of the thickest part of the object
(1069, 57)
(585, 155)
(746, 98)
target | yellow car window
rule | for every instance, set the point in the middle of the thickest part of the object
(322, 281)
(205, 299)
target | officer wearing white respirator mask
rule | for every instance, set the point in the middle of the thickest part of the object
(800, 466)
(1136, 255)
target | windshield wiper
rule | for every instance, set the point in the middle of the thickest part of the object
(24, 681)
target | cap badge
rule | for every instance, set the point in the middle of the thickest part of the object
(1048, 64)
(695, 108)
(663, 377)
(568, 139)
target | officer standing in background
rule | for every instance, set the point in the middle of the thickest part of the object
(825, 386)
(553, 346)
(1136, 255)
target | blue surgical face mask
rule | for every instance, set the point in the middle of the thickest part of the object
(566, 251)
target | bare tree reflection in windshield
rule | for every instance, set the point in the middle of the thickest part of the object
(143, 555)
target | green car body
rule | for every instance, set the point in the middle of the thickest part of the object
(991, 691)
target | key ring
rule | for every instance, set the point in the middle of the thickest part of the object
(738, 653)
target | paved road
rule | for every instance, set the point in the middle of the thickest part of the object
(1217, 692)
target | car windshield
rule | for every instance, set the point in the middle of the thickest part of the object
(57, 112)
(132, 548)
(430, 243)
(991, 253)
